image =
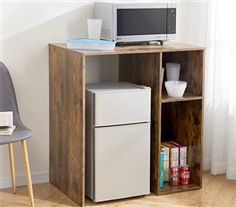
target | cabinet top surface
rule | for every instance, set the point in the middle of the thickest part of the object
(119, 50)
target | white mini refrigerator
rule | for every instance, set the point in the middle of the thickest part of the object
(117, 140)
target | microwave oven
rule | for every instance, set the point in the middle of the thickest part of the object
(140, 22)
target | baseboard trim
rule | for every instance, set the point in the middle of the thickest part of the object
(38, 177)
(206, 164)
(231, 173)
(218, 168)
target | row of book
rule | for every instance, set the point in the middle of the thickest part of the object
(173, 154)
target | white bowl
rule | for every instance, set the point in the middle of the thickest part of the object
(175, 88)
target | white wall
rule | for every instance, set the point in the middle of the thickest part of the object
(192, 27)
(192, 18)
(27, 28)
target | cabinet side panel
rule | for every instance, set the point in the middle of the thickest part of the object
(67, 122)
(145, 69)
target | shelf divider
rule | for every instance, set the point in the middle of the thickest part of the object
(186, 97)
(167, 189)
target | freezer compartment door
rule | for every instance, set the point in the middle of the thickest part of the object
(122, 108)
(122, 161)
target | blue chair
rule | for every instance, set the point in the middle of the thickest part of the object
(21, 133)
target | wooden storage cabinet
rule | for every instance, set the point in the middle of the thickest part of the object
(182, 118)
(179, 119)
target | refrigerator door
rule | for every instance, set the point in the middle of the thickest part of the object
(123, 107)
(121, 161)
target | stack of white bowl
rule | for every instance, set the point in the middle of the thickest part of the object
(174, 87)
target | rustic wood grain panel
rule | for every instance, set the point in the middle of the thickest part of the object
(191, 68)
(202, 112)
(119, 50)
(182, 122)
(67, 122)
(187, 97)
(145, 69)
(169, 189)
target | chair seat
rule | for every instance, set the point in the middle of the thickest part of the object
(20, 133)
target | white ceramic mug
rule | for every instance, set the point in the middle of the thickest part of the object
(94, 28)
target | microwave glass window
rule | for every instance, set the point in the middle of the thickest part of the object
(141, 21)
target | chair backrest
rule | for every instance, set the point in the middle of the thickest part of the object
(7, 95)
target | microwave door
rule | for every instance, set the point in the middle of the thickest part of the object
(141, 24)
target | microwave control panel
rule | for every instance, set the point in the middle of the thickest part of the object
(171, 20)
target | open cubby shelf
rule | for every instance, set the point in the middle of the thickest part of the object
(167, 189)
(182, 122)
(178, 119)
(181, 118)
(187, 97)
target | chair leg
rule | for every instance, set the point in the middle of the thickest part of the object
(12, 165)
(27, 170)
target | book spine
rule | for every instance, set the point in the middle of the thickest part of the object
(161, 181)
(183, 156)
(174, 157)
(182, 153)
(166, 162)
